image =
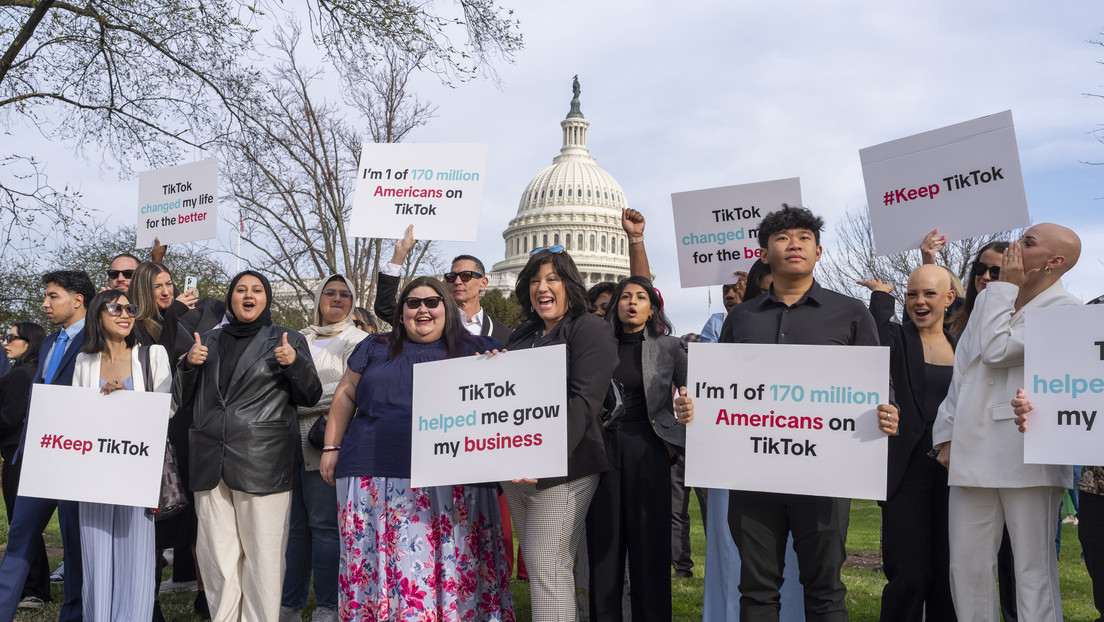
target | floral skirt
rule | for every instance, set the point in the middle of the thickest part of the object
(424, 554)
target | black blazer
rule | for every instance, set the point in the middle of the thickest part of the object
(248, 437)
(15, 396)
(64, 375)
(663, 364)
(591, 359)
(387, 288)
(906, 372)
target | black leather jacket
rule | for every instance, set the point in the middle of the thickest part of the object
(248, 437)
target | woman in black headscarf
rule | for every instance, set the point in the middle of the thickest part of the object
(246, 381)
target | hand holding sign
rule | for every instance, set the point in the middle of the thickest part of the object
(887, 419)
(684, 407)
(931, 245)
(1021, 406)
(197, 354)
(285, 354)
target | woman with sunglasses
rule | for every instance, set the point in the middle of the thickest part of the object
(631, 509)
(432, 553)
(152, 291)
(245, 381)
(117, 541)
(548, 514)
(313, 547)
(21, 345)
(984, 269)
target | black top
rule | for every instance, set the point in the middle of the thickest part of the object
(15, 395)
(821, 317)
(937, 380)
(630, 373)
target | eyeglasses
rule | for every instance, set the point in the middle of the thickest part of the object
(552, 249)
(980, 269)
(115, 309)
(430, 302)
(10, 337)
(333, 293)
(114, 274)
(464, 276)
(358, 323)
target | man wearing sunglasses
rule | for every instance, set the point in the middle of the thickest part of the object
(466, 281)
(120, 270)
(66, 302)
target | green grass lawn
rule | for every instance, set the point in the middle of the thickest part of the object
(864, 587)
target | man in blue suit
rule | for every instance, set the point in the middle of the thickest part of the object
(66, 302)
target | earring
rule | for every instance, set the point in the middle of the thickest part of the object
(1046, 270)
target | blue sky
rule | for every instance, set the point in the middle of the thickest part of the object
(695, 95)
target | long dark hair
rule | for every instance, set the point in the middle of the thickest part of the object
(657, 325)
(455, 335)
(33, 334)
(94, 340)
(960, 317)
(758, 270)
(564, 267)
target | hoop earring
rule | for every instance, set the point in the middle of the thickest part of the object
(1046, 270)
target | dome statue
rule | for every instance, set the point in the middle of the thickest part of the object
(572, 203)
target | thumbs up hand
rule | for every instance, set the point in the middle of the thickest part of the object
(197, 355)
(285, 354)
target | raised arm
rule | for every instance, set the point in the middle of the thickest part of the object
(632, 222)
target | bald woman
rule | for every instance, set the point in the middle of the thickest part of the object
(977, 439)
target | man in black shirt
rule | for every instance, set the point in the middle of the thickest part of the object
(796, 310)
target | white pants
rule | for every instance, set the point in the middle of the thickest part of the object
(117, 543)
(240, 549)
(977, 516)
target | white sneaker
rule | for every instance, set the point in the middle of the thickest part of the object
(290, 614)
(324, 614)
(59, 574)
(172, 587)
(31, 602)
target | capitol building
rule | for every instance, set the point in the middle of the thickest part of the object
(572, 203)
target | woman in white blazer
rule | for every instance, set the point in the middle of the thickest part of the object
(117, 541)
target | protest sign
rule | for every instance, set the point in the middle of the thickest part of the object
(717, 229)
(438, 188)
(963, 179)
(1064, 377)
(489, 419)
(796, 419)
(178, 203)
(86, 446)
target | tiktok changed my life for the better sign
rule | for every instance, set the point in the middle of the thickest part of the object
(798, 419)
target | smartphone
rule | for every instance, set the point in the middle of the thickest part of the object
(190, 283)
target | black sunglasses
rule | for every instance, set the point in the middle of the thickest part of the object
(114, 274)
(430, 302)
(10, 337)
(464, 276)
(115, 309)
(552, 249)
(980, 269)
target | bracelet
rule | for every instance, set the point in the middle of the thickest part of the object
(331, 448)
(636, 240)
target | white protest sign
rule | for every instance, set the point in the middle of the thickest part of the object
(178, 203)
(85, 446)
(438, 188)
(1064, 378)
(490, 419)
(717, 229)
(795, 419)
(963, 179)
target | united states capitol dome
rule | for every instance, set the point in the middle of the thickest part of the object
(573, 203)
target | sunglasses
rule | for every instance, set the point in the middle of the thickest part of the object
(115, 309)
(430, 302)
(333, 293)
(10, 337)
(464, 276)
(552, 249)
(980, 269)
(114, 274)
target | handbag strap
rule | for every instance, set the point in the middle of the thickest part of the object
(147, 374)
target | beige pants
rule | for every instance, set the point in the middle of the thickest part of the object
(976, 517)
(240, 549)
